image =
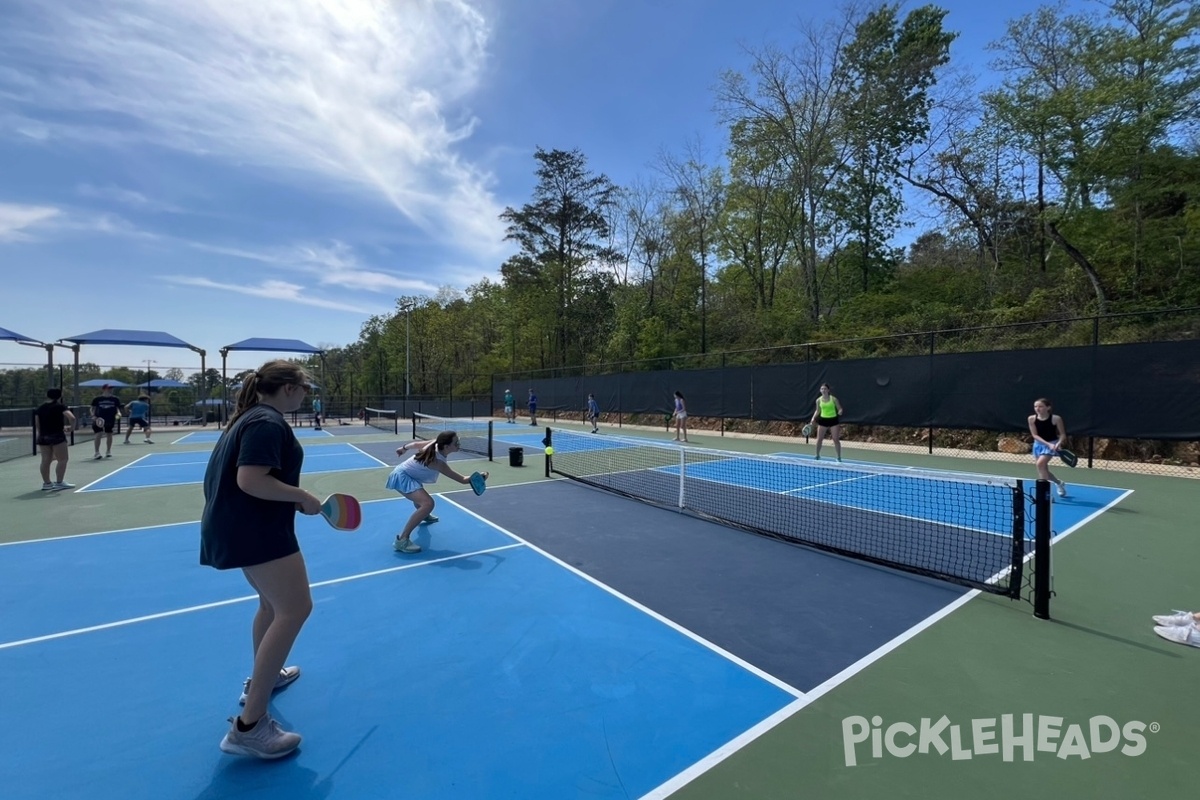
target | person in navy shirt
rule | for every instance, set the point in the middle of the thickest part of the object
(105, 410)
(532, 408)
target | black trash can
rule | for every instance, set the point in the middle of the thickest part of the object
(516, 456)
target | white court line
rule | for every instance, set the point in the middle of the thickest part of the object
(205, 459)
(840, 504)
(812, 486)
(734, 745)
(725, 751)
(137, 528)
(217, 604)
(1088, 518)
(110, 474)
(776, 682)
(368, 455)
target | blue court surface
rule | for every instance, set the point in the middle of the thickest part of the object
(173, 469)
(1067, 513)
(208, 437)
(478, 669)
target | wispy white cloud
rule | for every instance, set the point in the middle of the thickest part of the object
(127, 197)
(363, 93)
(272, 290)
(334, 265)
(16, 220)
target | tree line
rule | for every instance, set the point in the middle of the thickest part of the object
(1068, 185)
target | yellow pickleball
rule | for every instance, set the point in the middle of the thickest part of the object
(549, 451)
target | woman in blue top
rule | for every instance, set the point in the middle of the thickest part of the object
(593, 413)
(1049, 436)
(139, 416)
(410, 477)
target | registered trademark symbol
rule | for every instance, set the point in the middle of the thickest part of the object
(1155, 727)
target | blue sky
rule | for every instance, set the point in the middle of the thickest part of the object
(222, 170)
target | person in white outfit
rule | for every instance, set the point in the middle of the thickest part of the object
(410, 477)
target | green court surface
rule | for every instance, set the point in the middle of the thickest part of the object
(1095, 665)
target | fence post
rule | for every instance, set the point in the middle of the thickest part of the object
(932, 339)
(1095, 353)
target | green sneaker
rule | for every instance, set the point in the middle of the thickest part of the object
(406, 546)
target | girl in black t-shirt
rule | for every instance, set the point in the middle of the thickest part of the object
(251, 495)
(51, 422)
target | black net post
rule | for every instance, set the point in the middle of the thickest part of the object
(1042, 570)
(548, 441)
(1016, 578)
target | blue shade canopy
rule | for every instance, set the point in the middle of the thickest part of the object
(97, 383)
(163, 383)
(145, 338)
(275, 346)
(214, 401)
(12, 336)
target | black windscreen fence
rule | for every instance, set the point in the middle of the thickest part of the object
(1140, 391)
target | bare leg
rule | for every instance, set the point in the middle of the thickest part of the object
(1043, 468)
(60, 455)
(284, 603)
(47, 453)
(820, 438)
(424, 503)
(837, 441)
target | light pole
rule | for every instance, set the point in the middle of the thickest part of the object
(406, 307)
(149, 389)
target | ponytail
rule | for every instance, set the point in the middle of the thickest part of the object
(429, 453)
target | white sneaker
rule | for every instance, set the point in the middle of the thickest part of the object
(61, 485)
(47, 487)
(1180, 634)
(1062, 489)
(97, 457)
(287, 675)
(265, 740)
(147, 441)
(1173, 620)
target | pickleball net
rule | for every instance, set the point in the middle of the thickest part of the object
(474, 435)
(383, 419)
(972, 530)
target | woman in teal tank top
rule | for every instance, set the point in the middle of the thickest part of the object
(827, 417)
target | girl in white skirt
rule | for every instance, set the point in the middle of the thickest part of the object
(410, 477)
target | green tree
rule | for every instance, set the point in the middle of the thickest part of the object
(887, 71)
(563, 234)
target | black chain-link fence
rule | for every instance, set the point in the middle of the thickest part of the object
(1178, 456)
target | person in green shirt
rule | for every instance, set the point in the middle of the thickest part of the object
(827, 417)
